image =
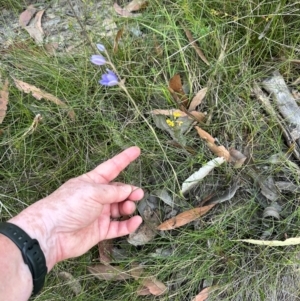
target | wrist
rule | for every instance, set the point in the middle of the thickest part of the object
(37, 225)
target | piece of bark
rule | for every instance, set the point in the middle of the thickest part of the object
(265, 101)
(285, 102)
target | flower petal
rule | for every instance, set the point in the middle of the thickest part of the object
(100, 47)
(98, 59)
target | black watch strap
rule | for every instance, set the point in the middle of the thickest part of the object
(31, 252)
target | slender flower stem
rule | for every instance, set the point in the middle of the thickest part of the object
(123, 87)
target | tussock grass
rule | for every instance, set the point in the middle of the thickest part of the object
(203, 253)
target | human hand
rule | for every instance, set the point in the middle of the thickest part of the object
(76, 216)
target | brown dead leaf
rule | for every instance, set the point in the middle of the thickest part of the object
(135, 5)
(203, 295)
(196, 101)
(237, 157)
(218, 150)
(51, 48)
(117, 38)
(176, 89)
(193, 43)
(136, 270)
(3, 101)
(39, 94)
(123, 11)
(108, 272)
(199, 116)
(105, 250)
(171, 112)
(26, 15)
(35, 28)
(143, 291)
(184, 218)
(154, 286)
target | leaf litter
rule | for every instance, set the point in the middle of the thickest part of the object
(4, 100)
(39, 94)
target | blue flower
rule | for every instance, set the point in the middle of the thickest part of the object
(100, 47)
(109, 79)
(98, 59)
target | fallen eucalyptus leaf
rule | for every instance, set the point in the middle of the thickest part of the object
(184, 218)
(271, 211)
(193, 180)
(105, 248)
(268, 189)
(163, 195)
(73, 283)
(39, 94)
(272, 243)
(35, 28)
(147, 231)
(287, 186)
(237, 158)
(176, 89)
(27, 15)
(218, 150)
(116, 40)
(203, 295)
(153, 286)
(196, 101)
(227, 195)
(3, 101)
(193, 43)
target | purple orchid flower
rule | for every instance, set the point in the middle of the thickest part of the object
(100, 47)
(98, 59)
(109, 79)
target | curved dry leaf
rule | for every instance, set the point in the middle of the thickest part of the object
(204, 135)
(35, 28)
(199, 116)
(287, 186)
(176, 89)
(193, 180)
(26, 15)
(237, 158)
(227, 195)
(117, 38)
(170, 112)
(273, 243)
(184, 218)
(196, 101)
(218, 150)
(135, 5)
(39, 94)
(108, 272)
(203, 295)
(123, 12)
(143, 291)
(3, 100)
(164, 195)
(105, 248)
(154, 286)
(271, 212)
(73, 283)
(136, 270)
(193, 43)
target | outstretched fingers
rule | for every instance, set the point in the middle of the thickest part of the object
(109, 170)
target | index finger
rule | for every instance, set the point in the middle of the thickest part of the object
(110, 169)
